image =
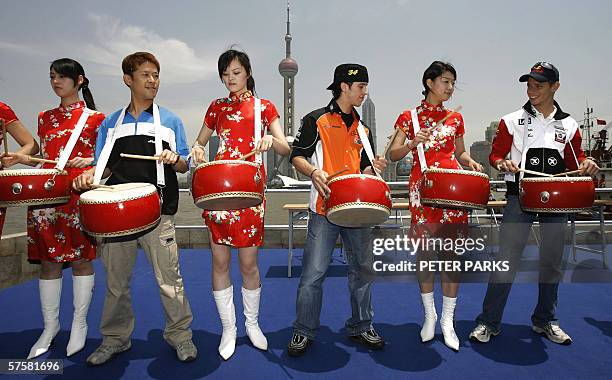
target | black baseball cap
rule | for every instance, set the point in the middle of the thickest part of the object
(542, 72)
(349, 73)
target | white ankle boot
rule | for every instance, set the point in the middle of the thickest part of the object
(82, 290)
(429, 324)
(50, 294)
(250, 300)
(225, 306)
(447, 322)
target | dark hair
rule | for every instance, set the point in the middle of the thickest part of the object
(435, 70)
(72, 69)
(132, 61)
(337, 90)
(228, 56)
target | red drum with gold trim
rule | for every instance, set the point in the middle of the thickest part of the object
(122, 210)
(32, 187)
(227, 185)
(557, 194)
(453, 188)
(358, 200)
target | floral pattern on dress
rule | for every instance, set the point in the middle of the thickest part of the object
(54, 233)
(232, 118)
(439, 153)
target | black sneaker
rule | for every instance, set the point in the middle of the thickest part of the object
(370, 339)
(298, 345)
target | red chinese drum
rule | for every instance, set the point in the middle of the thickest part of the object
(122, 210)
(228, 185)
(557, 195)
(452, 188)
(358, 200)
(32, 187)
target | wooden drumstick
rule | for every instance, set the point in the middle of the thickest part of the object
(388, 146)
(41, 160)
(535, 173)
(139, 157)
(435, 124)
(254, 151)
(101, 187)
(566, 173)
(336, 174)
(4, 136)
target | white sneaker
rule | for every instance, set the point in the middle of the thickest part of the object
(482, 333)
(554, 333)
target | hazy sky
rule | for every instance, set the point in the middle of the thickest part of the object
(491, 43)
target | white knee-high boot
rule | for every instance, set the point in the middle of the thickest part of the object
(50, 294)
(429, 324)
(82, 290)
(447, 322)
(227, 313)
(250, 300)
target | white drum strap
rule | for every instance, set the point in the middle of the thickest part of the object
(526, 124)
(572, 148)
(420, 151)
(257, 118)
(159, 166)
(108, 148)
(74, 137)
(363, 136)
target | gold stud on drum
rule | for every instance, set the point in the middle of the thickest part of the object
(49, 184)
(16, 188)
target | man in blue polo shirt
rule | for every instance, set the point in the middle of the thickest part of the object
(142, 128)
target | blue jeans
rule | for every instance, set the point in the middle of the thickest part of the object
(513, 236)
(320, 243)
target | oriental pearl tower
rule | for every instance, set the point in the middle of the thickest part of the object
(287, 68)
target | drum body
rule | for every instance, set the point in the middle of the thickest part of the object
(451, 188)
(33, 187)
(358, 200)
(228, 185)
(557, 195)
(125, 209)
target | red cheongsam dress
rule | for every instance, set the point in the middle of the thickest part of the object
(54, 233)
(9, 116)
(232, 118)
(439, 153)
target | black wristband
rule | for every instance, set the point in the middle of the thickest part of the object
(312, 172)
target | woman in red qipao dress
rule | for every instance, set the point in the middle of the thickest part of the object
(444, 148)
(19, 132)
(55, 236)
(232, 118)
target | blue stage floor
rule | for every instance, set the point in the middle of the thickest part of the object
(585, 311)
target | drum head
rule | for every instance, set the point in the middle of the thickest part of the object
(228, 201)
(358, 216)
(118, 193)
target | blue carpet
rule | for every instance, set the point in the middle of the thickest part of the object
(585, 311)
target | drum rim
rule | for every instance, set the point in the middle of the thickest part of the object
(220, 162)
(456, 171)
(103, 202)
(229, 194)
(123, 232)
(36, 201)
(344, 206)
(26, 171)
(557, 210)
(449, 203)
(557, 179)
(356, 175)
